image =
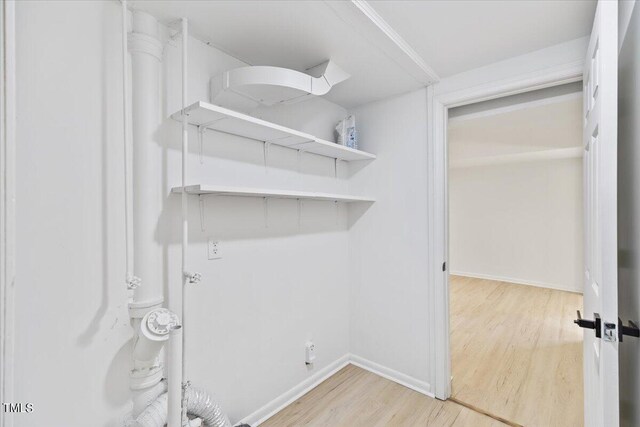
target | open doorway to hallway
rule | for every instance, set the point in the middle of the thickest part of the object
(516, 256)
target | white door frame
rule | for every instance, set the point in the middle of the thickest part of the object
(7, 201)
(439, 104)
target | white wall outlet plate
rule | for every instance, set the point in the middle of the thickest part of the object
(213, 249)
(310, 353)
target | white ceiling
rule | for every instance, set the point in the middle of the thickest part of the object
(298, 35)
(449, 36)
(456, 36)
(542, 127)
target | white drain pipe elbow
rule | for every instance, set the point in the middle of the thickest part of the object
(142, 399)
(152, 332)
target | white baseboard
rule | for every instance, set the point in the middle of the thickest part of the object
(290, 396)
(393, 375)
(516, 281)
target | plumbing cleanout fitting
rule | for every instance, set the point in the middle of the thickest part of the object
(151, 334)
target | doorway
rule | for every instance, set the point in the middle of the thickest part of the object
(498, 94)
(516, 255)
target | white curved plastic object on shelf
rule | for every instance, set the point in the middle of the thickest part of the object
(246, 88)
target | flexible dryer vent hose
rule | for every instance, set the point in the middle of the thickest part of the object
(202, 405)
(199, 404)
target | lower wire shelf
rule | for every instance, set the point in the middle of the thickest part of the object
(269, 193)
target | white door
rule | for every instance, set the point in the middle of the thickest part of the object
(600, 200)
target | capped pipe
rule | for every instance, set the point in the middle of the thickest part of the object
(152, 332)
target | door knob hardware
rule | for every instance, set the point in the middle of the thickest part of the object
(631, 330)
(595, 324)
(609, 332)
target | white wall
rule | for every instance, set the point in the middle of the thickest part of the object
(72, 328)
(276, 286)
(388, 245)
(519, 222)
(564, 54)
(515, 193)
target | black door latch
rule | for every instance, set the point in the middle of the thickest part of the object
(590, 324)
(631, 330)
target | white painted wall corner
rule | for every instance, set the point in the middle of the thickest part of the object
(299, 390)
(291, 395)
(415, 384)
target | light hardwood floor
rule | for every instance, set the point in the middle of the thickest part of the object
(516, 352)
(354, 397)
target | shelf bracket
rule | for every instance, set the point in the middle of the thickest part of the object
(301, 151)
(265, 201)
(299, 213)
(337, 211)
(335, 168)
(298, 144)
(201, 130)
(267, 144)
(201, 205)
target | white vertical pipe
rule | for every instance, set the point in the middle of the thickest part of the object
(177, 410)
(185, 206)
(185, 153)
(147, 193)
(174, 376)
(127, 145)
(146, 57)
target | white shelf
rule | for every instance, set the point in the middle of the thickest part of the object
(278, 194)
(224, 120)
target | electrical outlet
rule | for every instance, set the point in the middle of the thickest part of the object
(213, 249)
(310, 353)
